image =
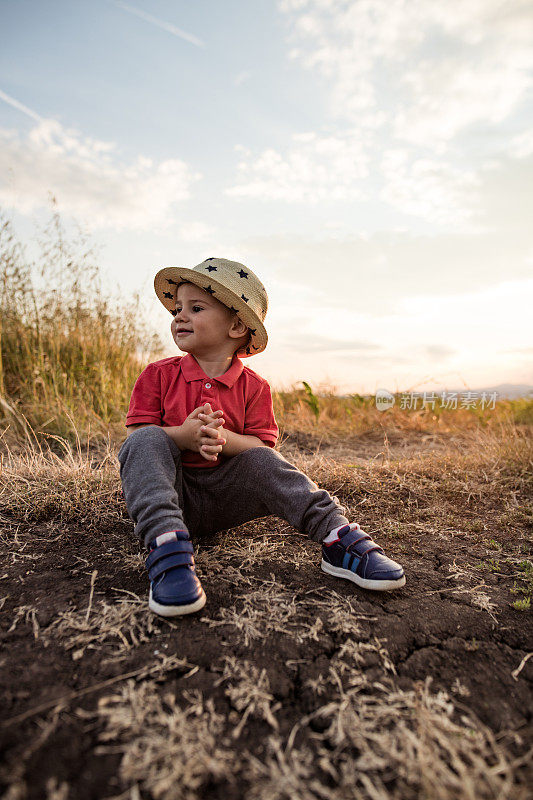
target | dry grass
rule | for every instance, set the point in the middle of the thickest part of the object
(468, 489)
(271, 609)
(358, 417)
(38, 484)
(364, 736)
(248, 550)
(477, 597)
(248, 690)
(66, 350)
(377, 743)
(390, 745)
(169, 751)
(28, 615)
(117, 627)
(263, 611)
(438, 492)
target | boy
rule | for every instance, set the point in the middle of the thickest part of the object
(199, 454)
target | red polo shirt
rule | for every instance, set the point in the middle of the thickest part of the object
(167, 391)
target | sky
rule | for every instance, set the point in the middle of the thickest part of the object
(370, 160)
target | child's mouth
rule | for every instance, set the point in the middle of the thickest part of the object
(184, 333)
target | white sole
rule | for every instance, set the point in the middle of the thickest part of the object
(364, 583)
(175, 611)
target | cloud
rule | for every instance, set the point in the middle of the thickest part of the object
(439, 67)
(527, 351)
(423, 96)
(243, 76)
(324, 344)
(166, 26)
(88, 179)
(521, 145)
(371, 273)
(195, 232)
(315, 168)
(505, 190)
(452, 337)
(431, 189)
(439, 352)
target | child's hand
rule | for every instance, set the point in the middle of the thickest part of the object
(194, 437)
(212, 437)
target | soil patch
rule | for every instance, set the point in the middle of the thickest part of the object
(288, 683)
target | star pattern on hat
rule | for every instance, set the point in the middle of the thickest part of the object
(252, 331)
(173, 311)
(169, 280)
(168, 294)
(211, 268)
(235, 310)
(245, 298)
(242, 274)
(210, 259)
(209, 289)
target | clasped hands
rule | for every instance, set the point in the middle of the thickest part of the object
(211, 438)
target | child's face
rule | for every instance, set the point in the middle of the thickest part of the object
(208, 320)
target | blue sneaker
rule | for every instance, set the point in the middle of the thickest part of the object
(174, 588)
(355, 556)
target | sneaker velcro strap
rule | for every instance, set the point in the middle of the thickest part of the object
(361, 547)
(168, 549)
(179, 560)
(354, 536)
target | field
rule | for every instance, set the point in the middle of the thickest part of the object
(289, 682)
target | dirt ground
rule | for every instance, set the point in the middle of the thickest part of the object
(289, 683)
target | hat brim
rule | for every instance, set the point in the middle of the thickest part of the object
(167, 279)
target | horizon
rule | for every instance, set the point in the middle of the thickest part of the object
(371, 163)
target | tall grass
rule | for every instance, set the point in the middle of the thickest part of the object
(68, 354)
(354, 415)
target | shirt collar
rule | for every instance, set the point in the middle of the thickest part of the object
(192, 371)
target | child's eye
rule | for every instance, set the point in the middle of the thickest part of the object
(200, 308)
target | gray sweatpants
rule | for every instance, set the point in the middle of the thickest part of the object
(163, 495)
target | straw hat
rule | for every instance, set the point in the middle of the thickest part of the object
(229, 282)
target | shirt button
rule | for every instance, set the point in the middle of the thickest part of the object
(208, 386)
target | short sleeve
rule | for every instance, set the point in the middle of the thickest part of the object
(145, 401)
(259, 417)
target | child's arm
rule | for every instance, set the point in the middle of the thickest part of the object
(174, 431)
(259, 422)
(237, 442)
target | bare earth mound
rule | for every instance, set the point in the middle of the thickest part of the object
(289, 683)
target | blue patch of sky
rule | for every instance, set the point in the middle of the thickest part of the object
(114, 76)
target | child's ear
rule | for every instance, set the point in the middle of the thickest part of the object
(238, 322)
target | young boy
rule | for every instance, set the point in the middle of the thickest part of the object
(199, 454)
